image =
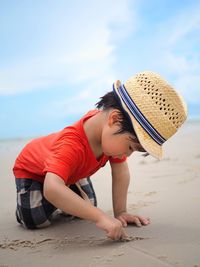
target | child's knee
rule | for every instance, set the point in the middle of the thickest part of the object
(30, 220)
(33, 210)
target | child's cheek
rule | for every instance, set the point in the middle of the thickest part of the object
(108, 148)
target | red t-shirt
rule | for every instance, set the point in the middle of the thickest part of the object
(66, 153)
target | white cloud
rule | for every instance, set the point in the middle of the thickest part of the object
(82, 52)
(175, 52)
(184, 24)
(188, 85)
(80, 102)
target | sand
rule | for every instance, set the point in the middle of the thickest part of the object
(167, 191)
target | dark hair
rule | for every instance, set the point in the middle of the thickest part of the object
(110, 101)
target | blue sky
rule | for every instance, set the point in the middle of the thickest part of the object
(58, 57)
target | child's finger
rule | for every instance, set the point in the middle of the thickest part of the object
(123, 221)
(124, 234)
(135, 220)
(143, 220)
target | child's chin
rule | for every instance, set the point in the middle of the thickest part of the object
(107, 154)
(113, 156)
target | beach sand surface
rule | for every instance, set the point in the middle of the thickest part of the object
(167, 191)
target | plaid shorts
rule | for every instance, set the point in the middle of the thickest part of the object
(34, 211)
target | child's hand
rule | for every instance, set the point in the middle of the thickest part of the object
(126, 218)
(112, 226)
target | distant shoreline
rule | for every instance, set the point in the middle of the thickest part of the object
(192, 121)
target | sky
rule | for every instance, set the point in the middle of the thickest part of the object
(58, 57)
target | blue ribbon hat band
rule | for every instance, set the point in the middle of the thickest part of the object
(141, 119)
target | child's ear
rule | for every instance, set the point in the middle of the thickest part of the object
(114, 117)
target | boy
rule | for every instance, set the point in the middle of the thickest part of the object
(137, 116)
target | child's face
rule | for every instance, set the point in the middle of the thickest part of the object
(118, 145)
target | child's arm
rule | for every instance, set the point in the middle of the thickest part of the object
(62, 197)
(120, 183)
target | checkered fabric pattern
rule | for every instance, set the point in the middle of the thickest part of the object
(34, 211)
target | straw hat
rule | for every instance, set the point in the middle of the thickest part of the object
(154, 107)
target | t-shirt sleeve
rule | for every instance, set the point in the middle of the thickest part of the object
(117, 160)
(63, 158)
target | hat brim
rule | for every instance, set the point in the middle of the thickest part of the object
(144, 138)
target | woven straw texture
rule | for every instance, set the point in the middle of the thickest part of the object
(162, 106)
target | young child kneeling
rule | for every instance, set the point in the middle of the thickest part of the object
(52, 172)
